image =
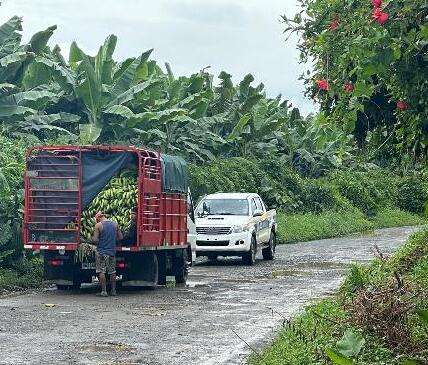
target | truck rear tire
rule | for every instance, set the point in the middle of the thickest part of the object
(269, 252)
(249, 258)
(181, 270)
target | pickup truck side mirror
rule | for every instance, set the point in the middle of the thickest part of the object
(257, 213)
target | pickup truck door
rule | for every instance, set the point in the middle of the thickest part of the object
(264, 224)
(258, 219)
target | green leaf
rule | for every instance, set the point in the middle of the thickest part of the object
(104, 60)
(39, 41)
(15, 111)
(124, 80)
(120, 110)
(75, 54)
(10, 28)
(132, 92)
(17, 57)
(338, 358)
(237, 130)
(411, 362)
(89, 133)
(350, 344)
(423, 314)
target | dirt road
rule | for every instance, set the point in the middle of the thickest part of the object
(197, 324)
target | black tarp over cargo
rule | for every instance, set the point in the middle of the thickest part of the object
(100, 166)
(98, 169)
(174, 172)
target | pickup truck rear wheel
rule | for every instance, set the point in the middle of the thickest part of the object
(249, 258)
(269, 252)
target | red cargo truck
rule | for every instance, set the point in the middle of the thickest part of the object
(61, 181)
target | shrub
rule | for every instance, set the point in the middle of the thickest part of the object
(358, 195)
(411, 195)
(317, 197)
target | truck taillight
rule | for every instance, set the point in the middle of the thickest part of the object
(56, 262)
(121, 265)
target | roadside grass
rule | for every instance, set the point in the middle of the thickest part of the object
(379, 302)
(311, 226)
(394, 217)
(303, 227)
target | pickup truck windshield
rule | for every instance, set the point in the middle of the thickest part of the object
(223, 207)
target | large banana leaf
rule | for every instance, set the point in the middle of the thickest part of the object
(239, 127)
(132, 92)
(40, 40)
(35, 99)
(89, 133)
(126, 75)
(89, 88)
(104, 60)
(13, 111)
(63, 75)
(10, 36)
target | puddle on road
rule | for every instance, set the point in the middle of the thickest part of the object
(321, 265)
(196, 284)
(107, 347)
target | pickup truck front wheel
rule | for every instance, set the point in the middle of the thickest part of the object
(249, 258)
(269, 252)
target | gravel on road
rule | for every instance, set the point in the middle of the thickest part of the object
(208, 321)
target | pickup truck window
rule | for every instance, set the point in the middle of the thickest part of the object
(259, 204)
(222, 207)
(253, 205)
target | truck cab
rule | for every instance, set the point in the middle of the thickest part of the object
(235, 224)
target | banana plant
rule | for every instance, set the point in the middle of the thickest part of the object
(25, 97)
(106, 88)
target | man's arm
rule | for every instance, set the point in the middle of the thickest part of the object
(119, 235)
(96, 236)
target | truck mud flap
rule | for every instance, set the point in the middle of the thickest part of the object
(143, 270)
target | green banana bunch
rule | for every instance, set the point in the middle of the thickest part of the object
(118, 200)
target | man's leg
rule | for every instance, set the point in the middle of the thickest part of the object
(102, 278)
(101, 270)
(113, 283)
(112, 271)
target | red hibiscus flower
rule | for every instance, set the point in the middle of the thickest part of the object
(323, 84)
(377, 3)
(348, 87)
(380, 16)
(402, 105)
(334, 24)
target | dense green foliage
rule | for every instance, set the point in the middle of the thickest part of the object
(371, 304)
(95, 99)
(368, 189)
(11, 198)
(369, 71)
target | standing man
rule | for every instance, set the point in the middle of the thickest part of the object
(105, 236)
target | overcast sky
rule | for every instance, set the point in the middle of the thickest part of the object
(238, 36)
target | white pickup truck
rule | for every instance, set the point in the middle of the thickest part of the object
(235, 224)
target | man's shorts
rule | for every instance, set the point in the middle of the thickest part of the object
(105, 264)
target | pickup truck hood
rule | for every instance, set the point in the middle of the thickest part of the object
(222, 220)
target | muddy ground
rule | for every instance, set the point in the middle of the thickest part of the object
(196, 324)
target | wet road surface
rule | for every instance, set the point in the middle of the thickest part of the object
(196, 324)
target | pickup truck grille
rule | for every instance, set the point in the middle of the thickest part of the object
(212, 243)
(213, 230)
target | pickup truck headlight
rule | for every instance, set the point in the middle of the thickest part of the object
(238, 229)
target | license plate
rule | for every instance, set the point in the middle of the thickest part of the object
(88, 266)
